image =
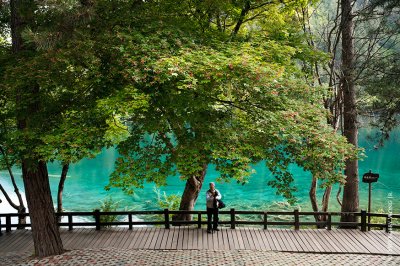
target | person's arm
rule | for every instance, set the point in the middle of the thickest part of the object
(219, 196)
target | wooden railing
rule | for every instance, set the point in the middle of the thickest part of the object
(264, 219)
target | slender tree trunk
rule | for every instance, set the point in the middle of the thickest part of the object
(350, 201)
(190, 194)
(64, 173)
(325, 199)
(314, 203)
(46, 237)
(21, 207)
(243, 13)
(313, 198)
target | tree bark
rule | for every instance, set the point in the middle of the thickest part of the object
(243, 13)
(190, 195)
(64, 173)
(46, 237)
(21, 207)
(350, 201)
(313, 198)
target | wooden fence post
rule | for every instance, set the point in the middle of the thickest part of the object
(130, 221)
(388, 223)
(166, 218)
(329, 221)
(265, 220)
(97, 219)
(296, 220)
(8, 223)
(199, 220)
(233, 225)
(363, 220)
(70, 224)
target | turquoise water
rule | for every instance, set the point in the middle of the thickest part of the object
(84, 187)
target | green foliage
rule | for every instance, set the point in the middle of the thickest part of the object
(174, 88)
(164, 201)
(108, 205)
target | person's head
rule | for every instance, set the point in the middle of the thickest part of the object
(212, 186)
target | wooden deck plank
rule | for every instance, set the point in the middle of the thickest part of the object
(247, 239)
(336, 244)
(311, 239)
(138, 238)
(281, 240)
(298, 243)
(373, 241)
(383, 242)
(227, 240)
(253, 236)
(330, 245)
(389, 239)
(267, 240)
(174, 239)
(10, 238)
(358, 247)
(271, 233)
(232, 241)
(159, 240)
(69, 238)
(97, 240)
(125, 237)
(182, 231)
(303, 241)
(131, 239)
(19, 241)
(188, 237)
(148, 237)
(260, 239)
(238, 237)
(361, 240)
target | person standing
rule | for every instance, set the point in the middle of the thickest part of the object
(212, 197)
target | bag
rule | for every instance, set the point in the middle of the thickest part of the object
(221, 204)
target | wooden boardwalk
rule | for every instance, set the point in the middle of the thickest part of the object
(186, 238)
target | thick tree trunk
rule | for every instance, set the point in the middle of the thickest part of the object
(46, 237)
(350, 201)
(190, 194)
(64, 173)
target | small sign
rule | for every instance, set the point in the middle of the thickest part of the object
(370, 177)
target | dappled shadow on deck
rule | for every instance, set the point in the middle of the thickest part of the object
(186, 238)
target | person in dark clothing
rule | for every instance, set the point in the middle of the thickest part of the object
(212, 197)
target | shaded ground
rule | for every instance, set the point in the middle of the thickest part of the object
(113, 256)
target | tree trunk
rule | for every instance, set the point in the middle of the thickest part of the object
(46, 236)
(21, 207)
(313, 197)
(350, 201)
(64, 173)
(243, 13)
(190, 195)
(314, 203)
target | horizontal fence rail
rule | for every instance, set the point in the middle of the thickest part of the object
(167, 218)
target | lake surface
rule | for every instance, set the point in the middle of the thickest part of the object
(84, 187)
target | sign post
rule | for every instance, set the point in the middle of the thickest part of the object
(370, 178)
